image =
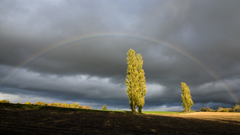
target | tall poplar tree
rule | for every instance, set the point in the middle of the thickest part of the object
(135, 81)
(142, 87)
(132, 80)
(186, 97)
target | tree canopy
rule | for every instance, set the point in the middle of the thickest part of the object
(135, 81)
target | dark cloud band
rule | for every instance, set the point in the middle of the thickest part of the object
(66, 42)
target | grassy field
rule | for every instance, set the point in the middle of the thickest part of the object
(159, 112)
(147, 112)
(39, 107)
(31, 119)
(24, 106)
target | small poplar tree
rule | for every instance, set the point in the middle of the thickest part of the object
(186, 97)
(142, 87)
(104, 108)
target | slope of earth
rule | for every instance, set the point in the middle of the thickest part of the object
(20, 121)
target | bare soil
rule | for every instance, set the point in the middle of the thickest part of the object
(19, 121)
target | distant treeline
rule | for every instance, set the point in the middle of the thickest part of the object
(64, 105)
(236, 108)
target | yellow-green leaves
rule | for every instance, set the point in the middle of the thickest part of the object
(4, 101)
(135, 81)
(104, 107)
(40, 103)
(142, 87)
(28, 103)
(132, 79)
(186, 97)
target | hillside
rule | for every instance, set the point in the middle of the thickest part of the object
(48, 121)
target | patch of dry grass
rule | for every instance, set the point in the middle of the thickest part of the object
(225, 117)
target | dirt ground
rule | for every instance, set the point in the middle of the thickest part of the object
(18, 121)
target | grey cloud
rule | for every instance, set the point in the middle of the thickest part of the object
(208, 32)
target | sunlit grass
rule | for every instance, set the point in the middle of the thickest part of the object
(117, 111)
(39, 107)
(159, 112)
(146, 112)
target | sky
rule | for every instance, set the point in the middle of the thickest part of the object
(75, 51)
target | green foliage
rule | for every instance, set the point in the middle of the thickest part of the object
(159, 112)
(132, 80)
(227, 109)
(209, 110)
(220, 109)
(28, 103)
(88, 107)
(186, 97)
(236, 108)
(39, 107)
(4, 101)
(76, 105)
(135, 81)
(40, 103)
(206, 110)
(142, 87)
(57, 104)
(65, 105)
(184, 111)
(51, 104)
(104, 108)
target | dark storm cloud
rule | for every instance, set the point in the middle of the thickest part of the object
(208, 31)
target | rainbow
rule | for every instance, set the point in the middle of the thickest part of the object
(100, 35)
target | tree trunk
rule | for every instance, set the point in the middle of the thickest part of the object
(139, 110)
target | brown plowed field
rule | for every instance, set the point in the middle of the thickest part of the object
(18, 121)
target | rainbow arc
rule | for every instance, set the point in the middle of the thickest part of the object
(101, 35)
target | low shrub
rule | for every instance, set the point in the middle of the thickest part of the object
(57, 104)
(227, 109)
(236, 108)
(220, 109)
(51, 104)
(4, 101)
(88, 107)
(74, 105)
(206, 110)
(28, 103)
(40, 103)
(65, 105)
